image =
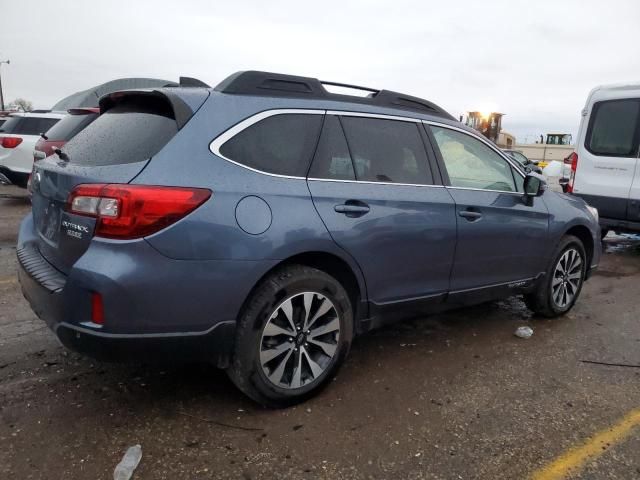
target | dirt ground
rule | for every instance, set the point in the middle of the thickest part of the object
(452, 396)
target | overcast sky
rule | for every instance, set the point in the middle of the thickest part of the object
(533, 60)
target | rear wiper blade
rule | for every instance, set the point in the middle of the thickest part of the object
(61, 154)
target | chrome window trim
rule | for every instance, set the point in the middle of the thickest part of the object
(313, 179)
(373, 115)
(485, 190)
(217, 142)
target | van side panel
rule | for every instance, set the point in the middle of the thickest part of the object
(609, 182)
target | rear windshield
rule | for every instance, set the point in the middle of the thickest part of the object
(69, 126)
(134, 130)
(28, 125)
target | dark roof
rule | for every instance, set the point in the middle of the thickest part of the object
(90, 97)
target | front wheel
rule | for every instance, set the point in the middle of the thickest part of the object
(292, 337)
(561, 286)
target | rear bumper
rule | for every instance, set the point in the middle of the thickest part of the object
(214, 345)
(16, 178)
(155, 308)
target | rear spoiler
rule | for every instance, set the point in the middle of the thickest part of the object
(183, 103)
(83, 110)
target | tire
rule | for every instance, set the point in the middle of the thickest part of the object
(545, 300)
(276, 365)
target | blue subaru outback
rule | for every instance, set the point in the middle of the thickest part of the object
(262, 224)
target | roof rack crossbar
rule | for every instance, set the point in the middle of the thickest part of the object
(281, 85)
(346, 85)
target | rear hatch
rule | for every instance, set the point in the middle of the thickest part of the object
(132, 128)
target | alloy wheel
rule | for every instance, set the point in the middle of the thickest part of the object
(299, 340)
(567, 278)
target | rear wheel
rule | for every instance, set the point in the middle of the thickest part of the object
(561, 286)
(292, 337)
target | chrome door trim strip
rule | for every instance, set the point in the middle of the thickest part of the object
(312, 179)
(373, 115)
(519, 194)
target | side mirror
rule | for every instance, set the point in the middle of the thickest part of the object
(534, 185)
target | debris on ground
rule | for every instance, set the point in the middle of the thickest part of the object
(523, 332)
(124, 470)
(593, 362)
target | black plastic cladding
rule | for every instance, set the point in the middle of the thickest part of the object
(281, 85)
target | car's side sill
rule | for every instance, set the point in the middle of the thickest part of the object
(389, 312)
(472, 296)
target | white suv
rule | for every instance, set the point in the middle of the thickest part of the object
(604, 167)
(18, 137)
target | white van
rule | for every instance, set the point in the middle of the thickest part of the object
(604, 166)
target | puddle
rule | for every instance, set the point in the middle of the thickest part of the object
(623, 243)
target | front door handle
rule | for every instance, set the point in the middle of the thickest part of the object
(352, 208)
(470, 215)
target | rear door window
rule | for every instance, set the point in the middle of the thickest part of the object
(132, 131)
(389, 151)
(472, 164)
(69, 126)
(282, 144)
(332, 160)
(28, 125)
(613, 128)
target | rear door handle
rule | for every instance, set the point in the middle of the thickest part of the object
(470, 215)
(352, 208)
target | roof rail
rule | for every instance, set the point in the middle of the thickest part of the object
(280, 85)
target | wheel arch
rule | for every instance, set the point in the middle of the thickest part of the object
(584, 235)
(339, 268)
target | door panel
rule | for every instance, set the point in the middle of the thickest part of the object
(501, 237)
(404, 244)
(504, 242)
(401, 234)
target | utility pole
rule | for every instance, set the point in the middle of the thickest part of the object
(1, 96)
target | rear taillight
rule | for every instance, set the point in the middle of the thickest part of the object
(134, 211)
(11, 142)
(573, 160)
